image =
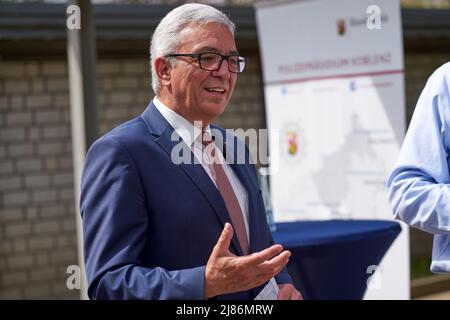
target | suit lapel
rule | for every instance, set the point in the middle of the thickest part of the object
(168, 139)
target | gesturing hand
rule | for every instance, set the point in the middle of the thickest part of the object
(228, 273)
(288, 292)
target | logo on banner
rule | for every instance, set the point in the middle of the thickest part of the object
(341, 28)
(372, 21)
(292, 142)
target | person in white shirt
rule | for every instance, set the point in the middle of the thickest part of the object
(419, 185)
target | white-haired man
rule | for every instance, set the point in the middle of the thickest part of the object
(157, 228)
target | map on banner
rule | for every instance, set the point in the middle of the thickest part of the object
(337, 104)
(335, 141)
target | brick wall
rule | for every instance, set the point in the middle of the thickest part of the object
(37, 229)
(124, 91)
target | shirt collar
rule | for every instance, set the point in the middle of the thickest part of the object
(186, 130)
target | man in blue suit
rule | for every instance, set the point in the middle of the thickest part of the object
(164, 215)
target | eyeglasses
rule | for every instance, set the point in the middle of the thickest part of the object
(213, 61)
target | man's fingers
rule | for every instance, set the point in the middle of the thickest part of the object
(281, 259)
(297, 296)
(264, 255)
(262, 271)
(272, 267)
(289, 292)
(224, 241)
(283, 294)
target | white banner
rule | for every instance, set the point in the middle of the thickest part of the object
(334, 88)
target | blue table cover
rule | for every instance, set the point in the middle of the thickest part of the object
(330, 258)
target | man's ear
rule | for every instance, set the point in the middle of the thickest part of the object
(163, 69)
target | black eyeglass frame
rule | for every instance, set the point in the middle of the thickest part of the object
(198, 57)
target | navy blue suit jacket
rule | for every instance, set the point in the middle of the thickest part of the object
(150, 225)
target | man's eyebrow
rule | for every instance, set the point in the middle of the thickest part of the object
(212, 49)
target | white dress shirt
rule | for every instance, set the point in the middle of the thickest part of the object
(419, 185)
(191, 137)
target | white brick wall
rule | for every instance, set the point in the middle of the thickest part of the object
(33, 166)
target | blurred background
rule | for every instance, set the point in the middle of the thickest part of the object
(38, 237)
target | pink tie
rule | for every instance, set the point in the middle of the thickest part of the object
(228, 195)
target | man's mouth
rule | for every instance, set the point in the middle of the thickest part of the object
(215, 90)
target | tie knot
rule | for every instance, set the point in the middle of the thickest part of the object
(206, 139)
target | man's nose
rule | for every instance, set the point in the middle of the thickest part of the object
(223, 71)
